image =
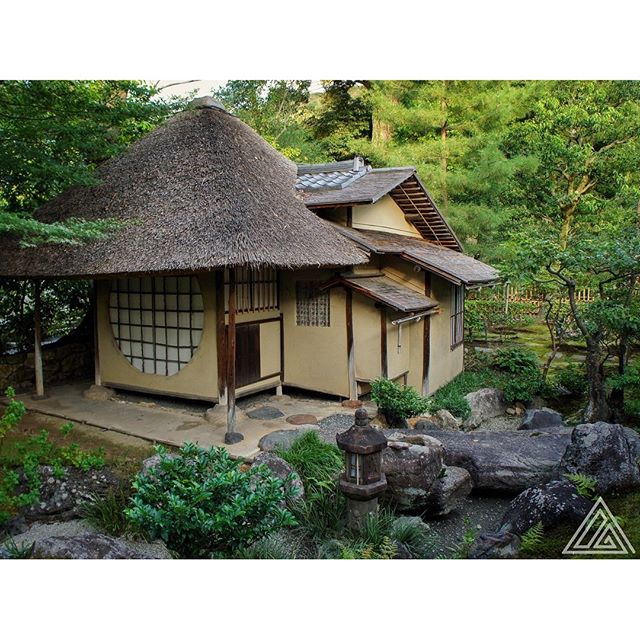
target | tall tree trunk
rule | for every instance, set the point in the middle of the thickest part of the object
(597, 408)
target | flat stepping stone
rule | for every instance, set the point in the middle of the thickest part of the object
(283, 439)
(265, 413)
(302, 418)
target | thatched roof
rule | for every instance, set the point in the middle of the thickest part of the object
(201, 191)
(447, 263)
(353, 182)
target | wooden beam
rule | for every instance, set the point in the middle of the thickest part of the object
(221, 338)
(349, 216)
(97, 378)
(384, 353)
(37, 340)
(353, 384)
(426, 339)
(231, 436)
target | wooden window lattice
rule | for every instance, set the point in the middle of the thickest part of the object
(256, 290)
(312, 306)
(157, 322)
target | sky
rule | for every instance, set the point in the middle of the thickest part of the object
(202, 87)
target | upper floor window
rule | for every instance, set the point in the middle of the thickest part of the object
(312, 307)
(256, 290)
(457, 315)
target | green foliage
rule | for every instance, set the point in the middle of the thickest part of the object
(515, 360)
(17, 551)
(272, 547)
(53, 134)
(468, 538)
(532, 539)
(200, 502)
(11, 416)
(107, 512)
(396, 401)
(585, 485)
(485, 314)
(322, 512)
(317, 462)
(451, 396)
(413, 536)
(572, 378)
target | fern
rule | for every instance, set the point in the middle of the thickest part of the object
(532, 539)
(586, 485)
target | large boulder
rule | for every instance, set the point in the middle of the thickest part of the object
(495, 546)
(411, 463)
(609, 453)
(508, 461)
(282, 470)
(544, 419)
(78, 539)
(61, 495)
(557, 502)
(485, 404)
(440, 420)
(448, 491)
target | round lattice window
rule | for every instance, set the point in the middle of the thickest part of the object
(157, 322)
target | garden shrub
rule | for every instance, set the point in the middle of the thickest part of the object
(107, 512)
(201, 503)
(317, 462)
(573, 378)
(397, 402)
(515, 360)
(525, 378)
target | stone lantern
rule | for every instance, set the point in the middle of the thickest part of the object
(362, 481)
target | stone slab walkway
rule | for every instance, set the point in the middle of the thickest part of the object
(174, 427)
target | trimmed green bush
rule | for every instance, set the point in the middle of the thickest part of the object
(201, 503)
(397, 402)
(515, 360)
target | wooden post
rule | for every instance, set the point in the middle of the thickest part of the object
(353, 384)
(279, 387)
(384, 354)
(221, 338)
(96, 346)
(37, 335)
(426, 339)
(231, 436)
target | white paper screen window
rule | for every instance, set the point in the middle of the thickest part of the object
(157, 322)
(312, 307)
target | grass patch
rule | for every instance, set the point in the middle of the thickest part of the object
(106, 512)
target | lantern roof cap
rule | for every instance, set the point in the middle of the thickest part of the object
(361, 438)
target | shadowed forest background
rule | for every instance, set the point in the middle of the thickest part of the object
(539, 178)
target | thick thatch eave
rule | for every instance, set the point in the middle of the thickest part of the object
(200, 192)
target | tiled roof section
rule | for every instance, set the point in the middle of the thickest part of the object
(353, 182)
(386, 291)
(447, 263)
(366, 188)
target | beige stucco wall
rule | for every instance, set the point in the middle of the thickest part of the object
(198, 379)
(315, 357)
(384, 215)
(445, 363)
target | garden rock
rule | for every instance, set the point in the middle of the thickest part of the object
(265, 413)
(484, 404)
(98, 392)
(282, 470)
(448, 491)
(509, 461)
(606, 452)
(411, 463)
(557, 502)
(495, 546)
(60, 498)
(79, 539)
(154, 461)
(283, 438)
(542, 420)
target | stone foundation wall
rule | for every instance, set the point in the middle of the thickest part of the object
(62, 362)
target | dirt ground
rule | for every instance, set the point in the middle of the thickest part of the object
(123, 453)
